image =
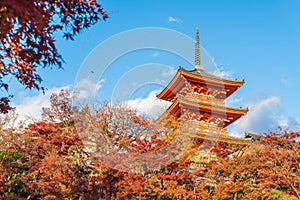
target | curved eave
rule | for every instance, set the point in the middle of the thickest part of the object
(211, 78)
(231, 114)
(230, 86)
(169, 92)
(221, 109)
(224, 138)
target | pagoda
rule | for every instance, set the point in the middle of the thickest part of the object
(198, 98)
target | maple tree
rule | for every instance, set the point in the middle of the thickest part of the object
(46, 160)
(27, 42)
(49, 160)
(271, 165)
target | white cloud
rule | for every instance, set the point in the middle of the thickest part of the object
(173, 19)
(222, 73)
(283, 123)
(233, 100)
(290, 123)
(168, 73)
(85, 88)
(263, 116)
(151, 105)
(31, 106)
(154, 55)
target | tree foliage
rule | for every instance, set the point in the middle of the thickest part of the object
(27, 40)
(48, 160)
(272, 164)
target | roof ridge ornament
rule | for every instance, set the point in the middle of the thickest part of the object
(197, 52)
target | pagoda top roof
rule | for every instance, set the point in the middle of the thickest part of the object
(200, 76)
(201, 73)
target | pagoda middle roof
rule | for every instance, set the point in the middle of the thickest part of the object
(198, 107)
(200, 77)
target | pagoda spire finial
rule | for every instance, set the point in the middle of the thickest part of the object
(197, 52)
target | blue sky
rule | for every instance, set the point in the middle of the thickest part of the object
(257, 40)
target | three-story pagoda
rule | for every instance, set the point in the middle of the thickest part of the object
(198, 97)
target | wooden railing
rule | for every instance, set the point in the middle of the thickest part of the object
(204, 98)
(206, 128)
(211, 130)
(208, 131)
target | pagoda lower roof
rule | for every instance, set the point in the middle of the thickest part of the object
(223, 138)
(197, 107)
(192, 131)
(200, 77)
(189, 128)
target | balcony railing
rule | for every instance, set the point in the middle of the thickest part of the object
(204, 98)
(206, 128)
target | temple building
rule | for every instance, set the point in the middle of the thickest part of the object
(198, 98)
